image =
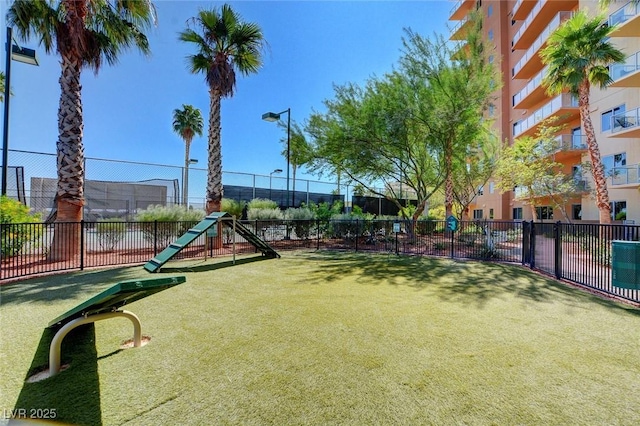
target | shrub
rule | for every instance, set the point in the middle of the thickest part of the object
(303, 221)
(110, 232)
(232, 207)
(264, 214)
(262, 203)
(18, 226)
(172, 221)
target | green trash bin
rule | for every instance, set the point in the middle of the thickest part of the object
(625, 264)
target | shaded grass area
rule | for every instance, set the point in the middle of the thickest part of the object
(330, 338)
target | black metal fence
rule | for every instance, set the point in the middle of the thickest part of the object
(580, 253)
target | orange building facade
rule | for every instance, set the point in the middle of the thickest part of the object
(518, 30)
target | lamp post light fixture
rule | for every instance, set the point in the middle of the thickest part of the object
(271, 174)
(20, 54)
(272, 116)
(185, 181)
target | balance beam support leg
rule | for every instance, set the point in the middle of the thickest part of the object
(56, 342)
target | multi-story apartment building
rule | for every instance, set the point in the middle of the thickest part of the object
(518, 30)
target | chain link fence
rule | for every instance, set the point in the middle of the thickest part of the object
(118, 189)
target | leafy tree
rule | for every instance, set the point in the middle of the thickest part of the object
(412, 128)
(529, 165)
(225, 44)
(85, 34)
(577, 55)
(187, 122)
(461, 90)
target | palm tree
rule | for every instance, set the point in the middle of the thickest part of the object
(187, 122)
(225, 44)
(1, 86)
(85, 34)
(578, 54)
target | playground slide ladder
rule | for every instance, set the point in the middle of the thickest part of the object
(210, 220)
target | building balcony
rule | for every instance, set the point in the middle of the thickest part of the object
(627, 19)
(569, 147)
(530, 63)
(539, 16)
(628, 175)
(532, 94)
(461, 9)
(542, 191)
(522, 8)
(626, 124)
(627, 74)
(460, 31)
(564, 106)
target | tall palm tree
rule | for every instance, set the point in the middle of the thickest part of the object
(1, 86)
(85, 34)
(187, 122)
(225, 45)
(578, 54)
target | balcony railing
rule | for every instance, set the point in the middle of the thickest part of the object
(517, 6)
(457, 32)
(632, 64)
(530, 87)
(561, 101)
(627, 175)
(536, 9)
(542, 38)
(571, 142)
(625, 13)
(625, 120)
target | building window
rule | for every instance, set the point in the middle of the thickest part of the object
(490, 213)
(492, 110)
(544, 213)
(611, 162)
(477, 214)
(619, 210)
(517, 213)
(576, 212)
(490, 10)
(492, 187)
(607, 117)
(490, 35)
(491, 59)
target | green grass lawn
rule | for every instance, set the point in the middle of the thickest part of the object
(316, 338)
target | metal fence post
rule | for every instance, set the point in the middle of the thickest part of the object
(557, 239)
(155, 237)
(532, 246)
(82, 244)
(357, 232)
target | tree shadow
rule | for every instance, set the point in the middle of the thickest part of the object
(65, 286)
(204, 266)
(73, 395)
(460, 281)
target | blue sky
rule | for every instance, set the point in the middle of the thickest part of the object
(128, 107)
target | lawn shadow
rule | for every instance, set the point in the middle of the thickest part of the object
(64, 286)
(73, 395)
(462, 281)
(203, 266)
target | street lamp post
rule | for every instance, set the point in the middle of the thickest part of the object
(20, 54)
(271, 174)
(272, 116)
(185, 182)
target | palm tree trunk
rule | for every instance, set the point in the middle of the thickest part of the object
(70, 162)
(214, 176)
(597, 168)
